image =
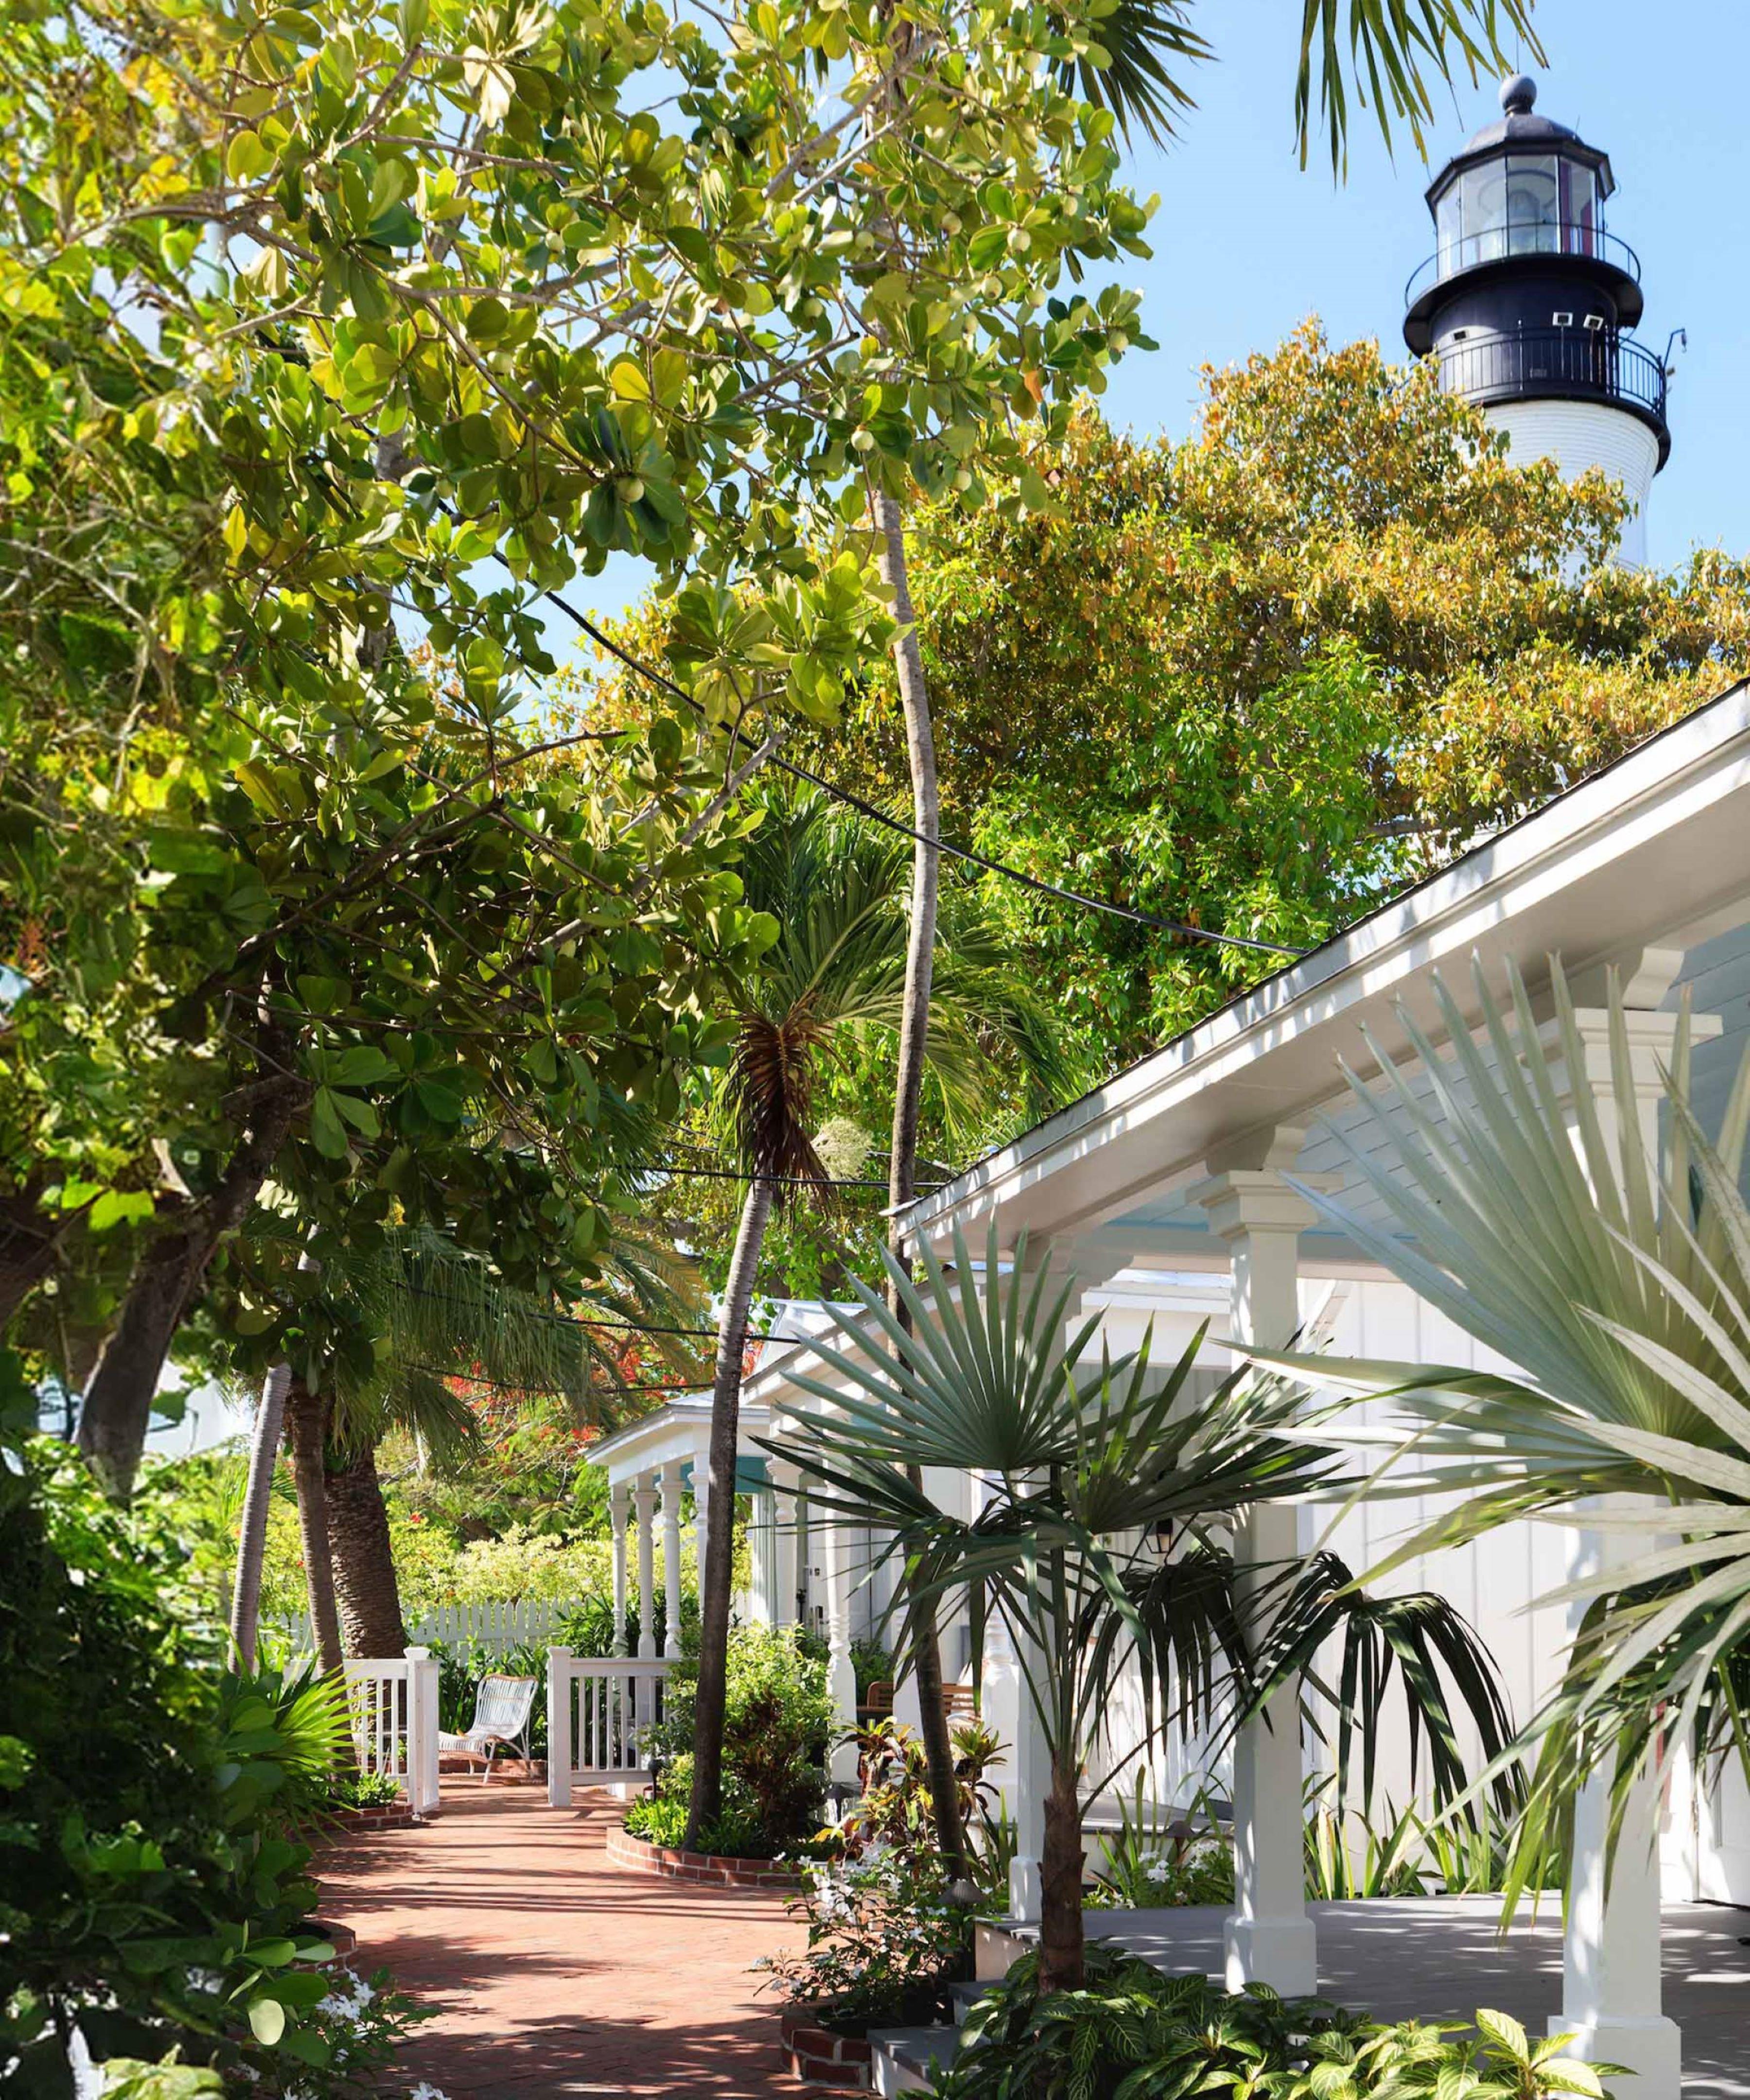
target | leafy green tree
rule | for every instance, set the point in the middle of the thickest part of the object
(1274, 671)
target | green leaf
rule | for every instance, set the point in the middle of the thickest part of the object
(266, 2020)
(328, 1132)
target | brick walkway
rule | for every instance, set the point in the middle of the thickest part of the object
(551, 1971)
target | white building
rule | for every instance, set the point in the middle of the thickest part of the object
(1166, 1192)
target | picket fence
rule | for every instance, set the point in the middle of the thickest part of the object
(499, 1623)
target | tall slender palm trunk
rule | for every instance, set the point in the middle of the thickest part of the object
(307, 1415)
(719, 1543)
(252, 1528)
(365, 1587)
(908, 1091)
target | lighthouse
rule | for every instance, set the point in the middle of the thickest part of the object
(1528, 304)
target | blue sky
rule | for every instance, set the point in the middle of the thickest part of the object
(1247, 245)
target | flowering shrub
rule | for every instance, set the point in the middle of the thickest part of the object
(885, 1940)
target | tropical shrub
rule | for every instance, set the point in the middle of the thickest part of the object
(887, 1933)
(156, 1897)
(1130, 2033)
(777, 1722)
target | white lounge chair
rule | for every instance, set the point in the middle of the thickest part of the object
(502, 1708)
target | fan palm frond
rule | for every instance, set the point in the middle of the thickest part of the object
(1518, 1198)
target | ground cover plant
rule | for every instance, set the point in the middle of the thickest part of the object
(1130, 2033)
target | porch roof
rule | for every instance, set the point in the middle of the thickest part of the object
(1642, 865)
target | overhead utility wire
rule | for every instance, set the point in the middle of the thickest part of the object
(879, 816)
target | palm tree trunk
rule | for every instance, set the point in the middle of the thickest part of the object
(252, 1528)
(1062, 1941)
(307, 1414)
(369, 1597)
(908, 1094)
(719, 1543)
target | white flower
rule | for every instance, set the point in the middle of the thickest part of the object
(425, 2090)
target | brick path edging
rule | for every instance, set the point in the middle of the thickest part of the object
(626, 1849)
(821, 2061)
(379, 1815)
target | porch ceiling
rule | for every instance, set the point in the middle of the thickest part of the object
(1654, 853)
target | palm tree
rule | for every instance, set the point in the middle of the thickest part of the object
(1531, 1213)
(840, 969)
(988, 1386)
(435, 1313)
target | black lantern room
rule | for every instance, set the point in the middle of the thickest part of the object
(1528, 296)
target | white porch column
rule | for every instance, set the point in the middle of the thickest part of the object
(1611, 1986)
(616, 1510)
(784, 1479)
(841, 1676)
(645, 1496)
(701, 1508)
(1270, 1939)
(1612, 1996)
(671, 1557)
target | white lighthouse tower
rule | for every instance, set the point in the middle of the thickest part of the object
(1527, 302)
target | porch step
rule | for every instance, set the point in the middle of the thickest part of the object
(903, 2057)
(964, 1996)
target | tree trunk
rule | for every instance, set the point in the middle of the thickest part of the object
(307, 1419)
(720, 1544)
(1062, 1940)
(364, 1563)
(118, 1410)
(908, 1095)
(252, 1528)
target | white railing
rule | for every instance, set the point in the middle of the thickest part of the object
(599, 1711)
(393, 1703)
(495, 1622)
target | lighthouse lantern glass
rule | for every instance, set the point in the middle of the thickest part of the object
(1519, 203)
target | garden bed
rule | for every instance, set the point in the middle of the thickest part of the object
(625, 1848)
(822, 2060)
(379, 1815)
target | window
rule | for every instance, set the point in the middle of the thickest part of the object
(1483, 202)
(1449, 226)
(1533, 206)
(1580, 217)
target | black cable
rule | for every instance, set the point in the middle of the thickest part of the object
(881, 816)
(783, 1180)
